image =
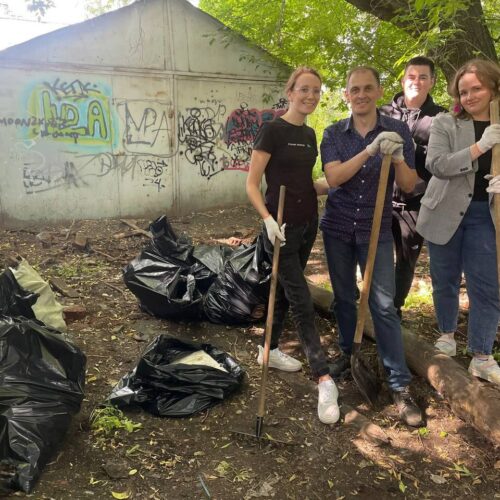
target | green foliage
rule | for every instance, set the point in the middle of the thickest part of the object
(39, 7)
(496, 354)
(92, 7)
(419, 297)
(332, 36)
(423, 432)
(98, 7)
(109, 419)
(78, 269)
(335, 35)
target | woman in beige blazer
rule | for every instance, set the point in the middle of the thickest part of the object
(455, 216)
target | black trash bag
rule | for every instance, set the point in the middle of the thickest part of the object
(15, 300)
(213, 257)
(167, 244)
(163, 288)
(42, 378)
(177, 390)
(170, 276)
(240, 293)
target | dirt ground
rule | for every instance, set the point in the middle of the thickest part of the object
(199, 457)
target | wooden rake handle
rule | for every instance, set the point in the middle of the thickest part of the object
(495, 170)
(270, 308)
(372, 249)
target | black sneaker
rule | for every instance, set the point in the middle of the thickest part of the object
(340, 365)
(409, 412)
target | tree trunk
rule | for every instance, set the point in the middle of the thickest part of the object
(475, 402)
(469, 37)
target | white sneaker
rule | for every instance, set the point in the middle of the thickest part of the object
(486, 369)
(328, 408)
(446, 345)
(280, 360)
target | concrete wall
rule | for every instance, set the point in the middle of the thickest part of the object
(133, 113)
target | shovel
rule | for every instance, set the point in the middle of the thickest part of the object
(495, 170)
(261, 410)
(365, 379)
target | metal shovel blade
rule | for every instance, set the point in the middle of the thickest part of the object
(366, 380)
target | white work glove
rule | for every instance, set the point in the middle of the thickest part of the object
(490, 137)
(395, 149)
(373, 148)
(493, 184)
(274, 231)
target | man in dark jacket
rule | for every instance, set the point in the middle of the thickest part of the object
(415, 107)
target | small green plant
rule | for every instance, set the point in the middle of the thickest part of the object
(109, 419)
(496, 354)
(79, 268)
(421, 296)
(423, 432)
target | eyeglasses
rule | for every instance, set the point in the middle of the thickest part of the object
(304, 91)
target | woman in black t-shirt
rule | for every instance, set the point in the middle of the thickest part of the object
(284, 152)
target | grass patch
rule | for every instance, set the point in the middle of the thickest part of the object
(79, 268)
(420, 296)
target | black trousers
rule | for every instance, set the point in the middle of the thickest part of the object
(293, 293)
(408, 244)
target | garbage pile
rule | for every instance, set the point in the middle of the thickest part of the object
(42, 377)
(173, 279)
(178, 378)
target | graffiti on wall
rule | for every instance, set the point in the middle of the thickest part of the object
(214, 144)
(199, 132)
(73, 112)
(81, 171)
(241, 129)
(82, 114)
(148, 127)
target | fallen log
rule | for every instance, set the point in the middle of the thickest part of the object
(475, 402)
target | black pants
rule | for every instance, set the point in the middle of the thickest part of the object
(408, 244)
(293, 293)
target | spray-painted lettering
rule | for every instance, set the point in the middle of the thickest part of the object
(148, 127)
(242, 126)
(199, 130)
(69, 112)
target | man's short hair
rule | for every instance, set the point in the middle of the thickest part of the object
(370, 69)
(421, 61)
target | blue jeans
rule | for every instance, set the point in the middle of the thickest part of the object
(293, 293)
(471, 250)
(342, 260)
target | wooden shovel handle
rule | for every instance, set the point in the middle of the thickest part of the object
(372, 248)
(270, 308)
(495, 170)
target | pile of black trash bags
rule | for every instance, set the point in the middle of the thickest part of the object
(42, 377)
(173, 279)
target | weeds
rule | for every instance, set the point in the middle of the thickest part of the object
(109, 419)
(79, 268)
(496, 354)
(419, 297)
